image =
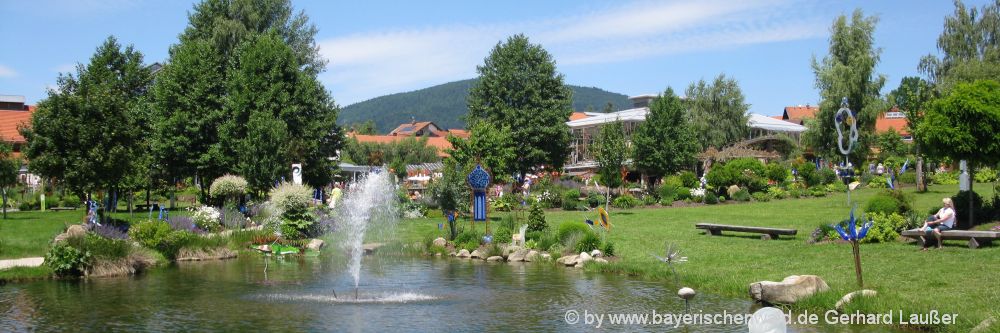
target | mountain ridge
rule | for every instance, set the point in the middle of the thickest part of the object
(445, 105)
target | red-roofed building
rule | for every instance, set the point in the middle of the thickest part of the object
(440, 143)
(14, 113)
(893, 119)
(577, 116)
(799, 114)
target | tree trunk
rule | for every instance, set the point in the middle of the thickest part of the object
(921, 183)
(971, 203)
(5, 203)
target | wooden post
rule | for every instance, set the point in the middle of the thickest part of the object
(857, 263)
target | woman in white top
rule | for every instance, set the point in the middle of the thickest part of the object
(944, 220)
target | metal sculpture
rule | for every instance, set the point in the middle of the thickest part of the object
(846, 117)
(853, 234)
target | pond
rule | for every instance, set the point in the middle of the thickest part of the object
(396, 294)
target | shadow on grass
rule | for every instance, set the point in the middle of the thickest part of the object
(747, 236)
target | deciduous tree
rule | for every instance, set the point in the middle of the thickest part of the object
(611, 152)
(718, 112)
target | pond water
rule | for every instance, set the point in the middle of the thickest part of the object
(396, 294)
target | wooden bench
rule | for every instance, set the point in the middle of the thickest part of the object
(768, 233)
(62, 208)
(975, 238)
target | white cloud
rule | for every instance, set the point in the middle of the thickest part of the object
(370, 64)
(7, 72)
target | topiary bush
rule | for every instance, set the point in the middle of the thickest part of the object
(827, 175)
(228, 187)
(745, 172)
(961, 201)
(291, 197)
(567, 230)
(625, 202)
(536, 218)
(881, 204)
(594, 199)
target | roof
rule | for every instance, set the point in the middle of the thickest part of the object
(637, 114)
(883, 125)
(440, 143)
(577, 116)
(760, 121)
(459, 133)
(410, 128)
(9, 122)
(797, 114)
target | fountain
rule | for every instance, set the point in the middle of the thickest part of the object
(369, 201)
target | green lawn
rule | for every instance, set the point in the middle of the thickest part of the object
(28, 234)
(955, 279)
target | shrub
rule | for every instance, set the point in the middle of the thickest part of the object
(776, 172)
(877, 182)
(881, 204)
(109, 231)
(907, 178)
(945, 178)
(683, 193)
(503, 235)
(291, 197)
(796, 193)
(711, 198)
(828, 176)
(589, 242)
(569, 229)
(745, 172)
(742, 195)
(667, 194)
(228, 187)
(625, 202)
(817, 192)
(961, 201)
(158, 235)
(206, 218)
(536, 219)
(838, 187)
(470, 246)
(674, 181)
(594, 199)
(761, 196)
(571, 199)
(70, 201)
(885, 227)
(776, 193)
(688, 179)
(648, 200)
(807, 173)
(985, 175)
(66, 260)
(608, 248)
(100, 247)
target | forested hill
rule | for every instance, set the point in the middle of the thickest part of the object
(445, 105)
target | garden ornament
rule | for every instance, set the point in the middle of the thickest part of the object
(854, 234)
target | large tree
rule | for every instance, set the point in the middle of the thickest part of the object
(90, 132)
(278, 115)
(965, 125)
(970, 47)
(519, 87)
(611, 152)
(718, 112)
(228, 53)
(492, 146)
(911, 98)
(848, 71)
(664, 143)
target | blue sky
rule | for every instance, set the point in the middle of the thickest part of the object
(382, 47)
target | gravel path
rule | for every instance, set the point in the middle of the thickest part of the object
(26, 262)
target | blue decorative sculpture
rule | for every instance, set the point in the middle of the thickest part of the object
(853, 235)
(846, 117)
(479, 181)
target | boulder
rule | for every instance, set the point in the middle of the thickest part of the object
(569, 260)
(475, 254)
(440, 242)
(601, 260)
(584, 258)
(686, 293)
(546, 256)
(596, 253)
(495, 258)
(76, 230)
(315, 244)
(510, 249)
(463, 253)
(984, 325)
(452, 253)
(531, 256)
(437, 254)
(371, 247)
(518, 255)
(790, 290)
(847, 298)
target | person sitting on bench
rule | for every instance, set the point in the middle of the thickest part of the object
(944, 220)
